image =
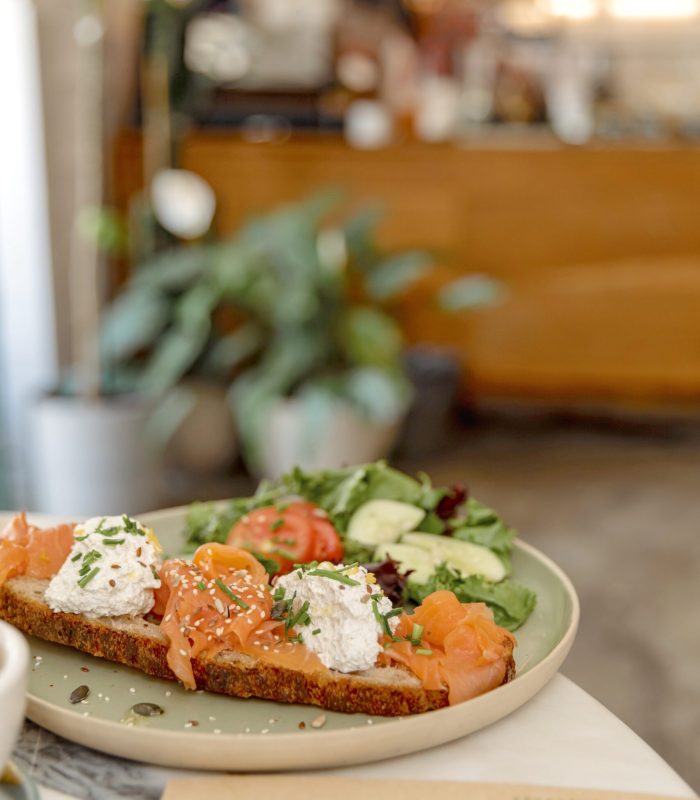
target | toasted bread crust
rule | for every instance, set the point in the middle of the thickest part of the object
(382, 691)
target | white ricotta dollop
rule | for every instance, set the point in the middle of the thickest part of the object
(342, 628)
(110, 572)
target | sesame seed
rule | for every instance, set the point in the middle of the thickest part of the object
(265, 730)
(217, 730)
(212, 719)
(168, 693)
(132, 690)
(183, 652)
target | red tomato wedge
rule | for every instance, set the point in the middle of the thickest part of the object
(327, 545)
(293, 534)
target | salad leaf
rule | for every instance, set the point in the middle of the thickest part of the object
(341, 492)
(483, 526)
(510, 602)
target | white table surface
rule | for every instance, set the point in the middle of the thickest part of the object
(562, 737)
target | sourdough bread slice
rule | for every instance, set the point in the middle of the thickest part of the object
(138, 643)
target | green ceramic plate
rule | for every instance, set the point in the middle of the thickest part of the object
(206, 731)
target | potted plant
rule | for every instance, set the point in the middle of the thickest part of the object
(291, 312)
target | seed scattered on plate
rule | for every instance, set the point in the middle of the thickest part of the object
(272, 721)
(302, 725)
(265, 730)
(79, 694)
(370, 722)
(147, 710)
(132, 690)
(247, 730)
(191, 723)
(212, 719)
(168, 693)
(84, 669)
(319, 722)
(217, 730)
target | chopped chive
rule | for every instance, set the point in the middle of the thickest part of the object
(278, 594)
(113, 542)
(394, 613)
(316, 632)
(334, 576)
(131, 526)
(349, 566)
(382, 619)
(77, 557)
(304, 567)
(277, 524)
(422, 652)
(202, 586)
(227, 591)
(416, 634)
(81, 538)
(300, 618)
(83, 582)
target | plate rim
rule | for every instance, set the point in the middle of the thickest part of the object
(38, 708)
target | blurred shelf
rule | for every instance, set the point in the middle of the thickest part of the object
(599, 246)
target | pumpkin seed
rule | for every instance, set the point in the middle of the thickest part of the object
(79, 694)
(147, 710)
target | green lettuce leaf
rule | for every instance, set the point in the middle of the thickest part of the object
(341, 492)
(510, 602)
(482, 525)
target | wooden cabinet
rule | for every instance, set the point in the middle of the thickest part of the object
(599, 247)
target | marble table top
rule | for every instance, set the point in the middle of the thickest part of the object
(562, 737)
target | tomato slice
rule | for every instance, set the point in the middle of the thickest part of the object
(284, 537)
(298, 533)
(327, 544)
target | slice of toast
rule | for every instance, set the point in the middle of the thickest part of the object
(138, 643)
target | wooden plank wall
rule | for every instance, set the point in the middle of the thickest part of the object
(599, 247)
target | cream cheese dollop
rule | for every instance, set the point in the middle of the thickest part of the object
(343, 616)
(111, 571)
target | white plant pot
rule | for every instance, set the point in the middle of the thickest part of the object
(93, 457)
(341, 438)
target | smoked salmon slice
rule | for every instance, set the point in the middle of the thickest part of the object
(35, 552)
(452, 645)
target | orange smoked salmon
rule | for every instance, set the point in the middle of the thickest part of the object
(461, 648)
(31, 551)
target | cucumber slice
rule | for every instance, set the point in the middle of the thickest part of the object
(468, 558)
(382, 521)
(420, 561)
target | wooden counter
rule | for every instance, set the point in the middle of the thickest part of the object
(600, 248)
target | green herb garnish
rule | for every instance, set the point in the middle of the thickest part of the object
(316, 632)
(227, 591)
(202, 586)
(131, 526)
(83, 582)
(277, 524)
(394, 612)
(77, 557)
(422, 652)
(301, 617)
(416, 636)
(382, 619)
(334, 575)
(113, 542)
(278, 594)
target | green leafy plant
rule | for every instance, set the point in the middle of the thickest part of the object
(289, 306)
